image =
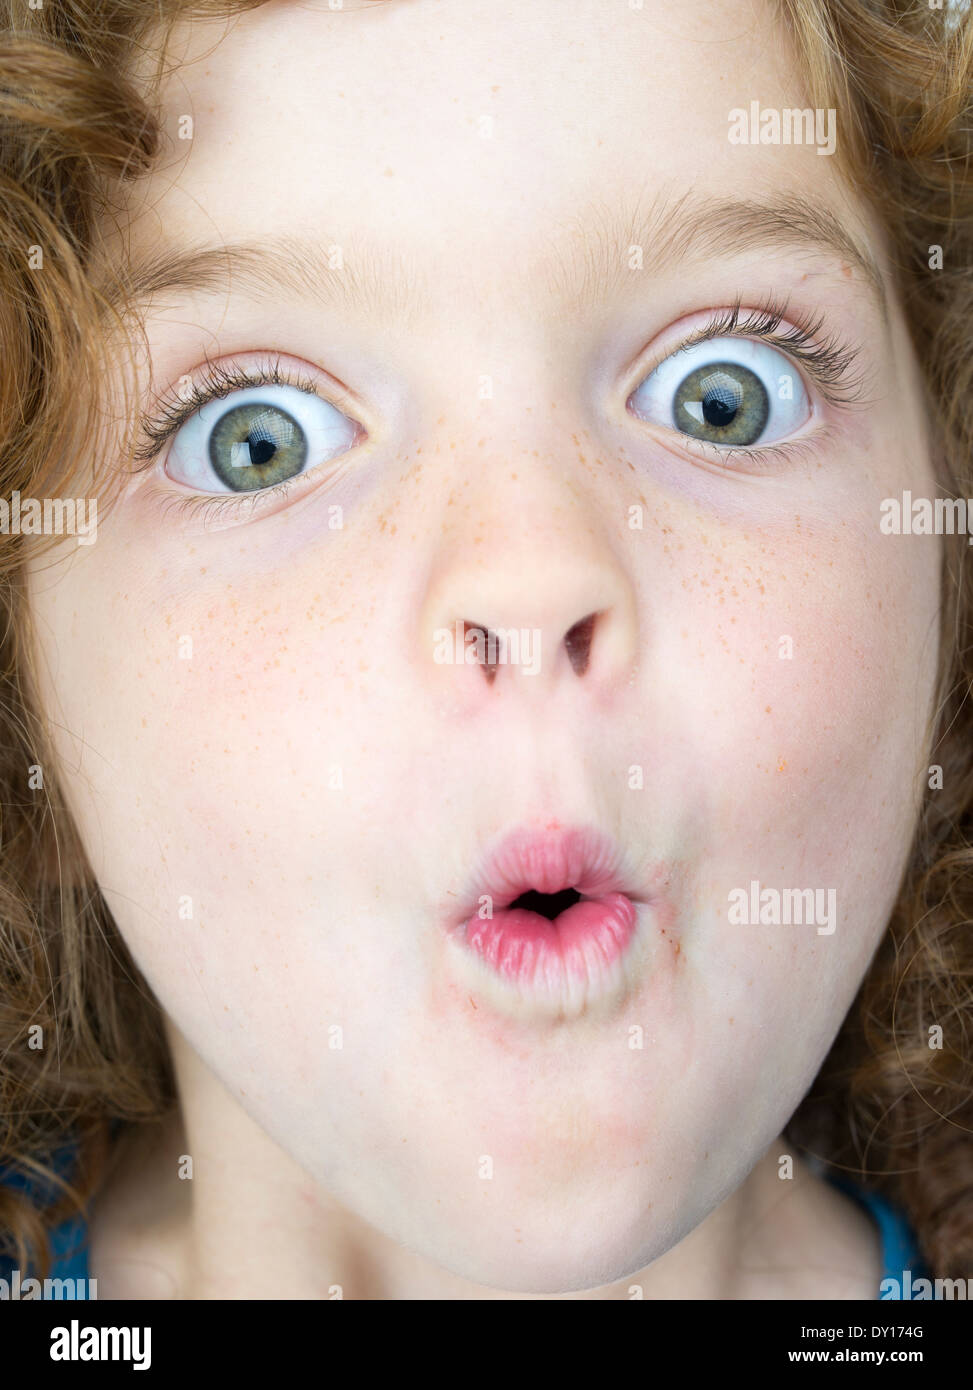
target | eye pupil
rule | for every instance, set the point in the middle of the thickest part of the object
(261, 450)
(721, 397)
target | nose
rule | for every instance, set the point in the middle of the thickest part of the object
(529, 591)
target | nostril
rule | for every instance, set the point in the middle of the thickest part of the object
(476, 638)
(578, 643)
(549, 905)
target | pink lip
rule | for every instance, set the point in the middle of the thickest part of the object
(578, 953)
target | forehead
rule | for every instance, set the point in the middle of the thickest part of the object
(464, 136)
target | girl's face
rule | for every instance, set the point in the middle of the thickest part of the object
(491, 223)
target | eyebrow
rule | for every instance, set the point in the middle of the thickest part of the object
(358, 278)
(670, 231)
(590, 262)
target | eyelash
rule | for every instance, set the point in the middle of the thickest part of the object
(827, 360)
(217, 382)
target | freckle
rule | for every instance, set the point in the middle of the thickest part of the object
(767, 711)
(513, 477)
(389, 173)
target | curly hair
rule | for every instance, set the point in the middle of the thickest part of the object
(893, 1102)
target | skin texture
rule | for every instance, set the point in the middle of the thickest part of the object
(472, 145)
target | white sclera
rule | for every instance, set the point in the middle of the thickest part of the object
(327, 431)
(653, 398)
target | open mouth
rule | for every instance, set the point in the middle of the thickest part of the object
(549, 918)
(549, 905)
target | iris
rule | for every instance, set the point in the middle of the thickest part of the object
(256, 445)
(722, 402)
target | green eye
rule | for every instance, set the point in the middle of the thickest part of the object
(729, 391)
(256, 445)
(722, 402)
(258, 437)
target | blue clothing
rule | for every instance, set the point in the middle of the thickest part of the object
(69, 1241)
(901, 1263)
(69, 1247)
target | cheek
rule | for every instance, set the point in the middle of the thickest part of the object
(219, 741)
(793, 662)
(224, 691)
(811, 707)
(797, 672)
(233, 781)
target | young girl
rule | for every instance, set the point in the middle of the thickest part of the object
(487, 750)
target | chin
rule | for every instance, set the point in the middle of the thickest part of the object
(585, 1241)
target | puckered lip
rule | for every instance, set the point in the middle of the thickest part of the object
(547, 861)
